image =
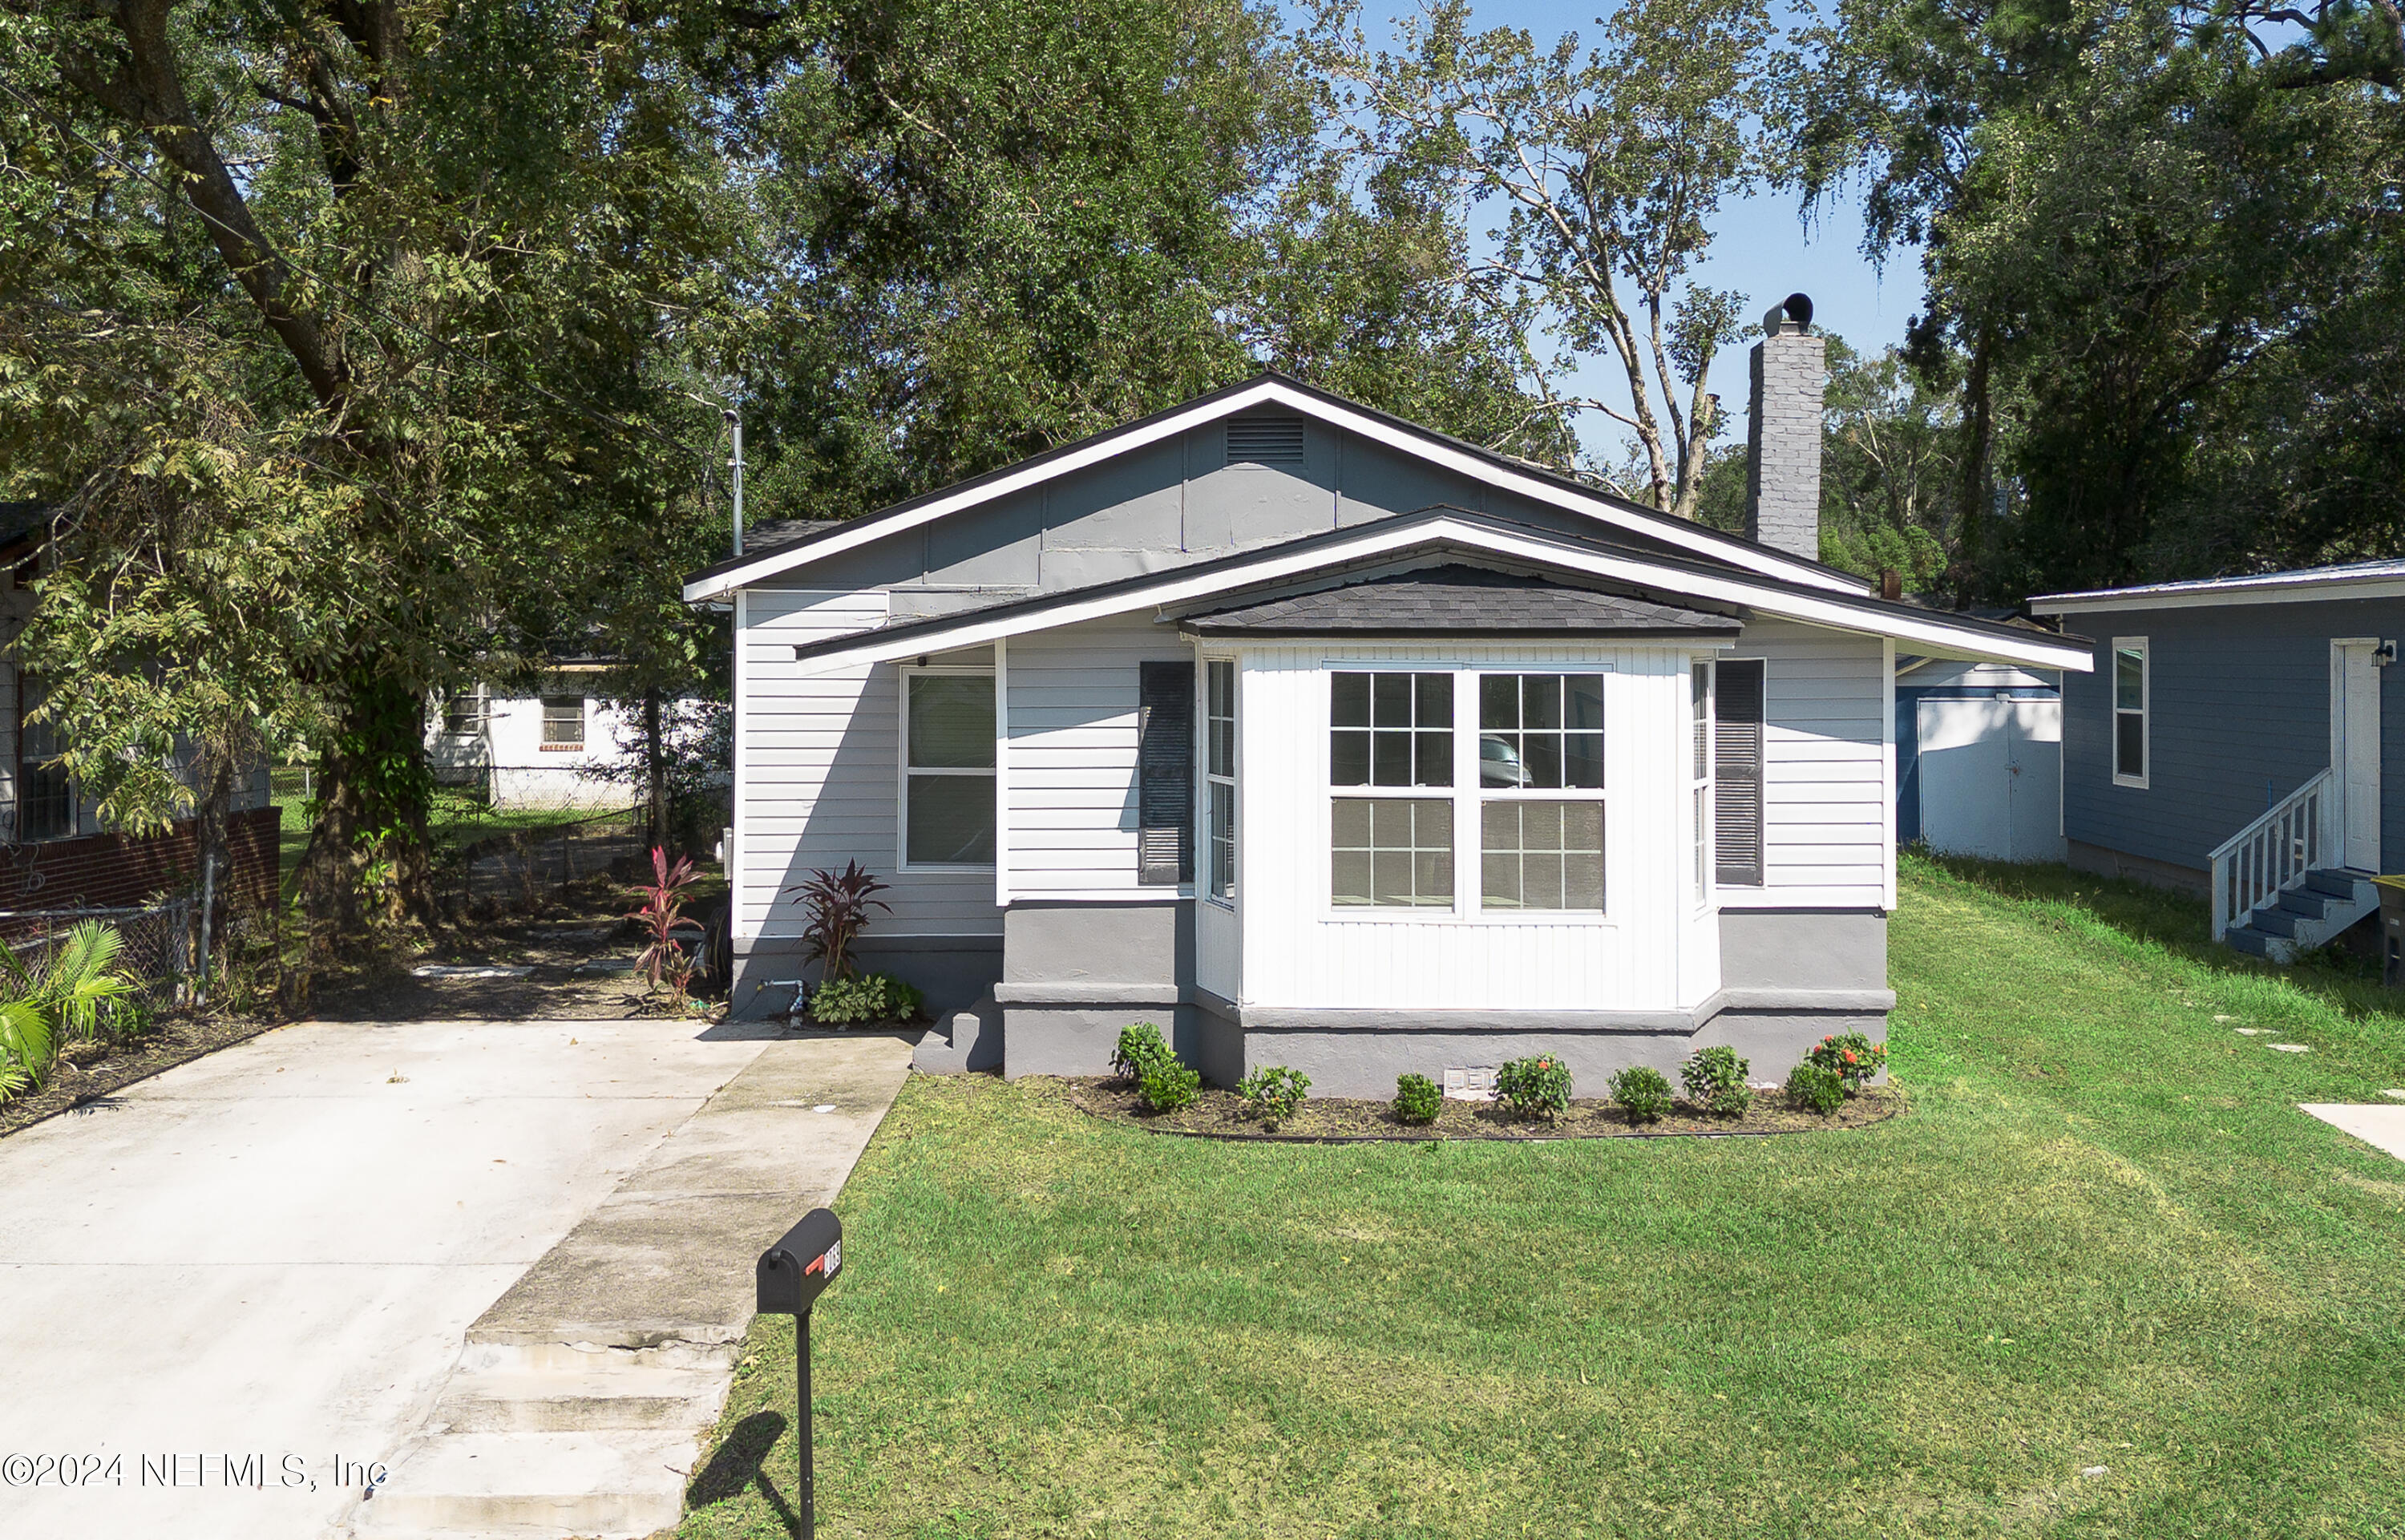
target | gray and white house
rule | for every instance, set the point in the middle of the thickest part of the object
(2236, 738)
(1325, 740)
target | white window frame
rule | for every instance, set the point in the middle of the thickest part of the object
(1482, 794)
(583, 723)
(2146, 711)
(1702, 793)
(903, 771)
(1207, 876)
(1469, 886)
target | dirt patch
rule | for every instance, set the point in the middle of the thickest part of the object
(89, 1073)
(1222, 1114)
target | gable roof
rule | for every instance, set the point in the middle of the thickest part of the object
(1454, 600)
(2384, 579)
(1270, 390)
(1447, 533)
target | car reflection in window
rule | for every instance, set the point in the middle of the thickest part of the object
(1499, 763)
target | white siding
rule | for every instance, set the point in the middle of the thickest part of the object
(1828, 746)
(1070, 797)
(816, 768)
(1298, 953)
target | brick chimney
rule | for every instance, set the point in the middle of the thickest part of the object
(1783, 475)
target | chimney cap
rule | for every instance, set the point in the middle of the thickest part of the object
(1793, 312)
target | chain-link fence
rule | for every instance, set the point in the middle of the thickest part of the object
(521, 866)
(158, 942)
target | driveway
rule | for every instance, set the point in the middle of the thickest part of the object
(234, 1290)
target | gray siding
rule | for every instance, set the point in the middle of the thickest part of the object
(2240, 702)
(1163, 506)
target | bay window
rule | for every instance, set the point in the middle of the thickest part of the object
(1540, 790)
(1389, 732)
(1219, 775)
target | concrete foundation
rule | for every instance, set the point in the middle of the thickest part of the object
(952, 971)
(2196, 881)
(1074, 974)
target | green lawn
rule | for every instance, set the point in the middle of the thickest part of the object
(457, 818)
(2104, 1236)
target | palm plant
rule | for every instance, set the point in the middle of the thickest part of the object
(80, 986)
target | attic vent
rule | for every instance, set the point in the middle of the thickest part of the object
(1265, 441)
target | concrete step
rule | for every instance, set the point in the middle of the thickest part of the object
(962, 1041)
(592, 1399)
(510, 1484)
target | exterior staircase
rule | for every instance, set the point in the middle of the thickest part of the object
(2305, 916)
(962, 1041)
(2279, 884)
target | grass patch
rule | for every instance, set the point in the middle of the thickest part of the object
(456, 818)
(2105, 1237)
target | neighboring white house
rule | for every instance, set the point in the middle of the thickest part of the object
(1336, 743)
(546, 750)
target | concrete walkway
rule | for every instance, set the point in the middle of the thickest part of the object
(2380, 1127)
(234, 1290)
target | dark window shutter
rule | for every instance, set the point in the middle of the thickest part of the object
(1166, 775)
(1736, 774)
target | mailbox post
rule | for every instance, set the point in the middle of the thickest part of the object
(791, 1276)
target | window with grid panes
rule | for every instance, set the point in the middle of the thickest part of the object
(1540, 791)
(1390, 733)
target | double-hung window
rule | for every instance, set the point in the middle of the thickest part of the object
(948, 800)
(2131, 680)
(1540, 791)
(1219, 775)
(1699, 774)
(563, 721)
(1390, 738)
(46, 798)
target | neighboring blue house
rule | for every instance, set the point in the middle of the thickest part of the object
(2236, 739)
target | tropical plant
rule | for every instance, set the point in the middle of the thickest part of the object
(1816, 1088)
(1275, 1093)
(663, 957)
(1642, 1092)
(1417, 1099)
(835, 907)
(1852, 1056)
(1140, 1047)
(78, 992)
(868, 998)
(1715, 1079)
(1538, 1087)
(1170, 1086)
(25, 1046)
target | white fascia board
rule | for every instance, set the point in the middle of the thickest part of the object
(2268, 590)
(1932, 634)
(1107, 446)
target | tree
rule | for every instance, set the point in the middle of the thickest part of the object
(2134, 226)
(1610, 162)
(437, 265)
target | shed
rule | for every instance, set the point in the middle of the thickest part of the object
(1978, 749)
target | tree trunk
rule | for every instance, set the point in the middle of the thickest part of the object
(655, 758)
(368, 856)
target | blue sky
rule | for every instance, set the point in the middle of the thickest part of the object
(1761, 247)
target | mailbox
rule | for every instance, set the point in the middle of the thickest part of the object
(797, 1270)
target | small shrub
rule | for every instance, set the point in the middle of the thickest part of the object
(664, 958)
(1644, 1092)
(1534, 1088)
(1417, 1099)
(1850, 1056)
(1169, 1086)
(866, 998)
(1715, 1081)
(835, 911)
(1273, 1093)
(1816, 1088)
(1140, 1048)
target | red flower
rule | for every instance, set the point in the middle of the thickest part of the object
(1850, 1055)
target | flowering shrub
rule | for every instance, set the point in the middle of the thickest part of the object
(1534, 1088)
(1850, 1056)
(1140, 1048)
(1273, 1093)
(1644, 1092)
(1715, 1081)
(1168, 1085)
(1816, 1088)
(1417, 1099)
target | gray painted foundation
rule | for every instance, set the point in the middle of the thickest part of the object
(1075, 974)
(952, 971)
(2195, 881)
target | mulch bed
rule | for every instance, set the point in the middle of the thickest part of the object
(1222, 1114)
(88, 1073)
